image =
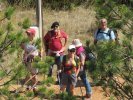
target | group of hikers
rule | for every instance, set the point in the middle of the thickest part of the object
(70, 66)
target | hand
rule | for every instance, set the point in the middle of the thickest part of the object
(63, 49)
(24, 59)
(59, 71)
(46, 53)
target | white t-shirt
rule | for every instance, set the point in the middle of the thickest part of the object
(31, 49)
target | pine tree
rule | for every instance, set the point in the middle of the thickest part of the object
(113, 68)
(12, 69)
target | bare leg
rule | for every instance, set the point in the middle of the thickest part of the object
(63, 88)
(72, 90)
(26, 79)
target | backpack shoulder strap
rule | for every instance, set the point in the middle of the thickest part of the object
(109, 33)
(76, 58)
(64, 59)
(50, 33)
(98, 31)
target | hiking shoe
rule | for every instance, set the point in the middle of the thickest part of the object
(57, 83)
(28, 87)
(88, 96)
(35, 92)
(49, 75)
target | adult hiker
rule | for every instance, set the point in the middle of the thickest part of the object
(70, 70)
(30, 52)
(55, 41)
(80, 52)
(32, 33)
(103, 32)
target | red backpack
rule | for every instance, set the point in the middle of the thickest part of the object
(55, 43)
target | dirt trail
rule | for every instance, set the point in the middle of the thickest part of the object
(97, 94)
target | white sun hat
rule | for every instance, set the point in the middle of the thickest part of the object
(71, 47)
(77, 43)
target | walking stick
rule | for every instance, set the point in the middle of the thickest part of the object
(18, 90)
(81, 91)
(58, 76)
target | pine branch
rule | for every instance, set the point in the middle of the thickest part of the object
(5, 70)
(127, 57)
(6, 75)
(5, 39)
(6, 46)
(13, 76)
(120, 89)
(2, 19)
(127, 24)
(10, 79)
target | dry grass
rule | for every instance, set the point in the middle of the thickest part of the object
(79, 23)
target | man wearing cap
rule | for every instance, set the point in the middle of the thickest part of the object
(55, 41)
(80, 52)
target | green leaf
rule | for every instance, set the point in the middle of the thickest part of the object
(9, 26)
(2, 73)
(9, 11)
(26, 23)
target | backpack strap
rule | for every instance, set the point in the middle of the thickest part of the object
(76, 58)
(64, 62)
(59, 34)
(65, 69)
(98, 31)
(109, 33)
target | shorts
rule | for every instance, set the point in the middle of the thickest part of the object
(69, 79)
(30, 69)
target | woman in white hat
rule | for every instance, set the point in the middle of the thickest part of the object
(70, 67)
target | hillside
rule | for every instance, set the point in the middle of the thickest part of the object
(79, 23)
(79, 19)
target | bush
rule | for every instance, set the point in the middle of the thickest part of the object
(113, 67)
(53, 4)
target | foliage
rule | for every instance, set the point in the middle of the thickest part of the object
(53, 4)
(113, 68)
(66, 96)
(12, 69)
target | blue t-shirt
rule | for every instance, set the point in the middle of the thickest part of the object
(103, 35)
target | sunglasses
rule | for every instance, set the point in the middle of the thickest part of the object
(56, 26)
(72, 50)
